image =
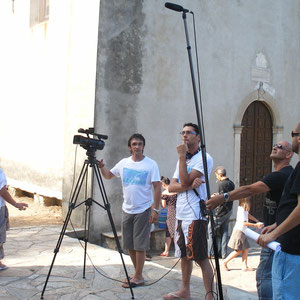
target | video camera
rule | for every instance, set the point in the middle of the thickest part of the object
(87, 142)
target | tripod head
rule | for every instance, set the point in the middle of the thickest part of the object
(88, 143)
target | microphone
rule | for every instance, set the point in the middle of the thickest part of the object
(175, 7)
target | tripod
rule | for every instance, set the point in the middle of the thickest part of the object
(92, 162)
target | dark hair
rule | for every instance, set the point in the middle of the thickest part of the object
(192, 125)
(165, 180)
(220, 170)
(136, 136)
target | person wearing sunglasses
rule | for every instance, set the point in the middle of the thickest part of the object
(273, 185)
(286, 230)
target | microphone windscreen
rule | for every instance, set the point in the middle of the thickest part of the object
(173, 6)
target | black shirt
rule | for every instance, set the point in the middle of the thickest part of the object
(224, 186)
(275, 181)
(290, 241)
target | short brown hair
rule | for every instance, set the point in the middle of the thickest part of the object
(136, 136)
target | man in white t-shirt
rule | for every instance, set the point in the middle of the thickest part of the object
(139, 174)
(191, 229)
(5, 197)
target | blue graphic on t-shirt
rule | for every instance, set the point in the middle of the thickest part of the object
(135, 177)
(189, 169)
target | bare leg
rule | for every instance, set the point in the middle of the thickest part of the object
(168, 242)
(245, 261)
(208, 277)
(231, 256)
(133, 257)
(2, 256)
(138, 260)
(186, 271)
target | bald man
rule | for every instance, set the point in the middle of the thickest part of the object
(286, 262)
(273, 185)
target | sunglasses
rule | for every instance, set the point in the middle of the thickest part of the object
(279, 146)
(295, 133)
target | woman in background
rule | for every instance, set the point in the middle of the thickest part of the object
(168, 200)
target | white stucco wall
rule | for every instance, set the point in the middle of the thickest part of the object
(33, 95)
(47, 91)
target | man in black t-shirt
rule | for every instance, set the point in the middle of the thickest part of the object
(286, 262)
(273, 183)
(222, 215)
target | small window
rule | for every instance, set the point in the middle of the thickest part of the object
(39, 11)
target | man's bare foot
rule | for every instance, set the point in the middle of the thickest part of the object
(247, 269)
(136, 279)
(176, 295)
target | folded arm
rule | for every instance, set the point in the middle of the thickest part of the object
(192, 181)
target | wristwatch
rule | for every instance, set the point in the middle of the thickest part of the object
(226, 197)
(156, 210)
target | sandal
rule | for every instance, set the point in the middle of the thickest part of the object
(4, 267)
(133, 284)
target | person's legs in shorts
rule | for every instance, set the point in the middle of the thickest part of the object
(191, 244)
(136, 238)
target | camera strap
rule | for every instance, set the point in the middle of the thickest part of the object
(202, 205)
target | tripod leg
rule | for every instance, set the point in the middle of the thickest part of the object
(62, 233)
(107, 206)
(88, 204)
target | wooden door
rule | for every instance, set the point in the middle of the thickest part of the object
(256, 146)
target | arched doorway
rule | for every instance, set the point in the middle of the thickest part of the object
(256, 145)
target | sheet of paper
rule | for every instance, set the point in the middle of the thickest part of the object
(254, 236)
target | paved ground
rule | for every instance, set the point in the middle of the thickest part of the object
(29, 253)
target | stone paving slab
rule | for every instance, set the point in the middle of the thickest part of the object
(29, 253)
